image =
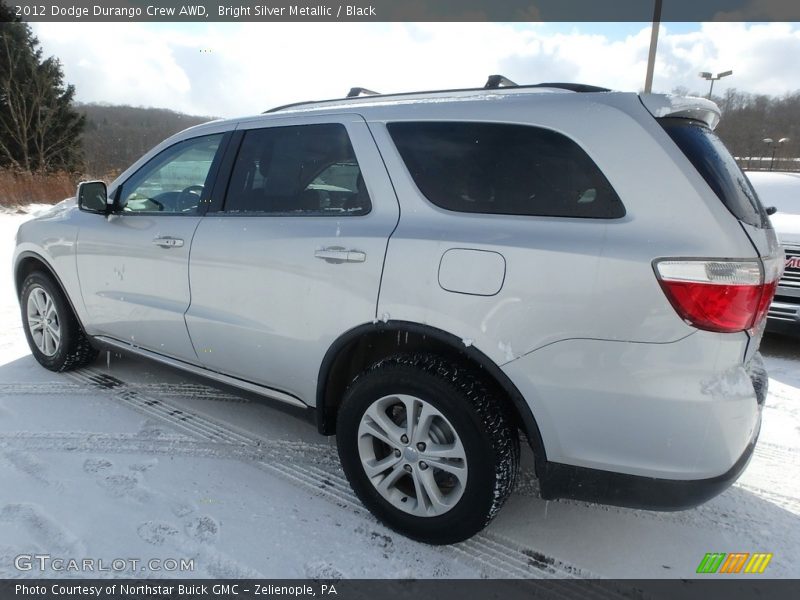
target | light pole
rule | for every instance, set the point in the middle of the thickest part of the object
(713, 78)
(651, 56)
(774, 145)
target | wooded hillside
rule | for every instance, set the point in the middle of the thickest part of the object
(116, 136)
(747, 119)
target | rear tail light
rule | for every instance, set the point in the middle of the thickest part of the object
(720, 295)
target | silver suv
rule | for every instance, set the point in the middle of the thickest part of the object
(435, 276)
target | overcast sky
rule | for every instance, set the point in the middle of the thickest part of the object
(229, 69)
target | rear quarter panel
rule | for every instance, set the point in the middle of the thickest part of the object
(565, 278)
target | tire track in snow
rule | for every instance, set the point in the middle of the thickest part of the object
(336, 489)
(122, 443)
(44, 530)
(484, 549)
(162, 409)
(181, 390)
(193, 390)
(789, 503)
(25, 462)
(274, 451)
(783, 454)
(40, 389)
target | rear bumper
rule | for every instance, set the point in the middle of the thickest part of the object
(684, 410)
(634, 491)
(558, 480)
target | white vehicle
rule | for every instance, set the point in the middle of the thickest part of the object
(782, 192)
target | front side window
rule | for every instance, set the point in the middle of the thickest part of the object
(174, 181)
(504, 169)
(298, 170)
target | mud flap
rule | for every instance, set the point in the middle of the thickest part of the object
(758, 375)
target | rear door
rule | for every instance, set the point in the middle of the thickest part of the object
(294, 259)
(134, 265)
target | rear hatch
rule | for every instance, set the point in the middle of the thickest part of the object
(690, 123)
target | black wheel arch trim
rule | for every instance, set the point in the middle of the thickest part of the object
(326, 409)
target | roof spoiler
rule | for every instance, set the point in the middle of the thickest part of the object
(684, 107)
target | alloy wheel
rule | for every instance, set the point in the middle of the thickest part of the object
(43, 321)
(412, 455)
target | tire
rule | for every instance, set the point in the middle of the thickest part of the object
(70, 348)
(463, 420)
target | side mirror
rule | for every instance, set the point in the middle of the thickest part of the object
(771, 210)
(93, 197)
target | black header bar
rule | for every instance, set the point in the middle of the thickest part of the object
(405, 10)
(709, 588)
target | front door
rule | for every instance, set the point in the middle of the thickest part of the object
(134, 266)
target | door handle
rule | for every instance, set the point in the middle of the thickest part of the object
(336, 254)
(168, 242)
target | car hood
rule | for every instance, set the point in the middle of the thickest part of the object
(787, 227)
(57, 210)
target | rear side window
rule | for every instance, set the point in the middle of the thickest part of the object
(715, 164)
(301, 170)
(504, 169)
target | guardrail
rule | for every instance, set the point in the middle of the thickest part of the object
(767, 163)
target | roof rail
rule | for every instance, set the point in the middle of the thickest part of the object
(493, 82)
(355, 92)
(496, 81)
(582, 88)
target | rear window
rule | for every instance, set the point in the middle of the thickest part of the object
(716, 165)
(504, 169)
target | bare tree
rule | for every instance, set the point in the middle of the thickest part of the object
(749, 119)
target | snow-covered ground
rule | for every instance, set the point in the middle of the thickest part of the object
(133, 461)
